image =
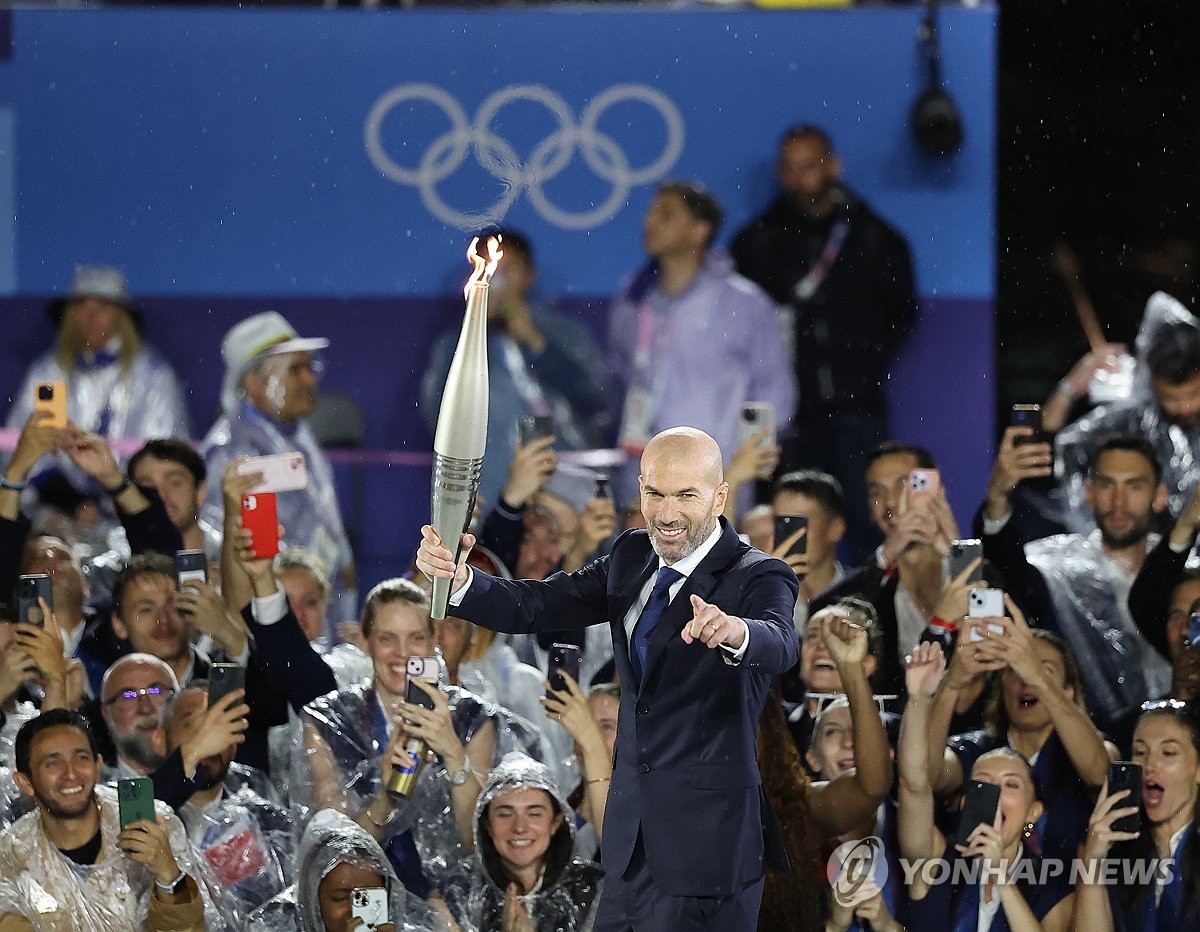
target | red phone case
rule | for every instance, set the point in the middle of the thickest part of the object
(260, 518)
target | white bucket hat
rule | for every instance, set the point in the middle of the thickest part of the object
(265, 334)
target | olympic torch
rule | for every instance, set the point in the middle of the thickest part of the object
(461, 433)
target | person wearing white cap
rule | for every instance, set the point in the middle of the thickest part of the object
(117, 385)
(270, 387)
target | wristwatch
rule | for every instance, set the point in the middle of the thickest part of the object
(174, 886)
(459, 777)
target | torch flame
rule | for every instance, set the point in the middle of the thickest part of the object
(484, 268)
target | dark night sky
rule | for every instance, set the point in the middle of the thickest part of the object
(1099, 119)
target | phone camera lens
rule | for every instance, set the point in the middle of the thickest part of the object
(45, 392)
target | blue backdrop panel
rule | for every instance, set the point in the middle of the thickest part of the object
(231, 161)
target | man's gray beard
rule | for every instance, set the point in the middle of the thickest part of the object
(139, 749)
(690, 544)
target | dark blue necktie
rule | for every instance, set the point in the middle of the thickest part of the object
(660, 597)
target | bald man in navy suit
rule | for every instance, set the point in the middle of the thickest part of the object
(701, 625)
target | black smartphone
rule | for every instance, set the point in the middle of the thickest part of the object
(564, 658)
(785, 527)
(224, 678)
(135, 800)
(980, 802)
(534, 427)
(1028, 416)
(602, 489)
(962, 554)
(29, 590)
(420, 668)
(189, 565)
(1124, 775)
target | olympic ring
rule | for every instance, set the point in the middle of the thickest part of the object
(548, 159)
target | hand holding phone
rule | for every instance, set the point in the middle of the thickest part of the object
(785, 527)
(370, 905)
(30, 588)
(534, 427)
(980, 802)
(135, 800)
(261, 518)
(923, 486)
(564, 658)
(420, 668)
(191, 565)
(51, 397)
(1124, 775)
(224, 678)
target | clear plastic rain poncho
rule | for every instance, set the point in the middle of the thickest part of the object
(1090, 594)
(330, 839)
(248, 843)
(12, 803)
(142, 403)
(311, 516)
(348, 731)
(112, 895)
(1177, 447)
(568, 893)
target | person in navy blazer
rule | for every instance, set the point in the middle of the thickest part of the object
(687, 831)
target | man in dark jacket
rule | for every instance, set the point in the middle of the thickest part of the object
(844, 280)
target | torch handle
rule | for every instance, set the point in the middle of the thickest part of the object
(452, 498)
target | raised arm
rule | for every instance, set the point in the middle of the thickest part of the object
(1080, 738)
(919, 838)
(851, 798)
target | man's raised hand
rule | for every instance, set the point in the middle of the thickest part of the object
(711, 626)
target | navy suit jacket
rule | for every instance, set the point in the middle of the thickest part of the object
(685, 773)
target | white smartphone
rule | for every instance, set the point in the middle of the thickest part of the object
(370, 904)
(985, 603)
(282, 472)
(757, 416)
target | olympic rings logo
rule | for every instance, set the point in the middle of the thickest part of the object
(549, 158)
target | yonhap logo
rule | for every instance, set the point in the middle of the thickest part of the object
(601, 152)
(857, 870)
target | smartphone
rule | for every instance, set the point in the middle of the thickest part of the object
(962, 554)
(135, 800)
(923, 484)
(282, 472)
(1123, 775)
(29, 589)
(602, 489)
(756, 416)
(191, 565)
(564, 658)
(51, 397)
(1028, 416)
(420, 668)
(785, 527)
(985, 603)
(224, 678)
(980, 802)
(369, 904)
(534, 427)
(1193, 634)
(261, 519)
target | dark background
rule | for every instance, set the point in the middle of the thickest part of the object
(1099, 112)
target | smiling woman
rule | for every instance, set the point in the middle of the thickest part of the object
(523, 876)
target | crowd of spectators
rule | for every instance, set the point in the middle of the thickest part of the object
(371, 758)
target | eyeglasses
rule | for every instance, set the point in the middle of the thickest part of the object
(824, 700)
(130, 696)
